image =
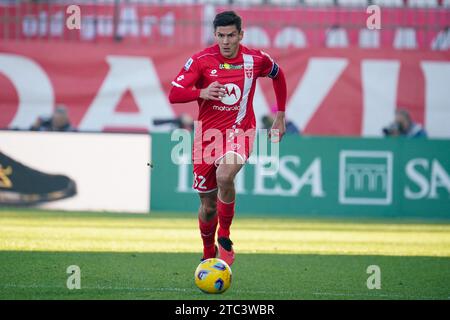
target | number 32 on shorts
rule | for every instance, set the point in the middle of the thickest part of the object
(199, 181)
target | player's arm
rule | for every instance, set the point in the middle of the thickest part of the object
(280, 88)
(183, 86)
(215, 91)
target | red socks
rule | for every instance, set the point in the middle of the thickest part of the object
(224, 216)
(225, 211)
(208, 233)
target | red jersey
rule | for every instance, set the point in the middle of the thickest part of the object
(238, 75)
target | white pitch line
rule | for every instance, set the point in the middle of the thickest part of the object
(134, 289)
(354, 294)
(373, 295)
(94, 288)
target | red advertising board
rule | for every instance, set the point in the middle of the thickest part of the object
(116, 87)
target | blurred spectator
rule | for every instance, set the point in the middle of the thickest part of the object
(268, 119)
(184, 121)
(59, 121)
(404, 126)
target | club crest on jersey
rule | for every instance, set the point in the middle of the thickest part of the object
(249, 72)
(188, 64)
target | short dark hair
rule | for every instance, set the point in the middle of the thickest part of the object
(227, 18)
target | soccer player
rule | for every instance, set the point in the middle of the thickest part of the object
(222, 80)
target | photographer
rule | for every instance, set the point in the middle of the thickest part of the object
(59, 121)
(184, 121)
(268, 119)
(404, 126)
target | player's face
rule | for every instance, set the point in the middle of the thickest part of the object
(228, 39)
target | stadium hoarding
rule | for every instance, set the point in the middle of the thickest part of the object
(324, 176)
(95, 172)
(191, 24)
(103, 22)
(124, 88)
(334, 26)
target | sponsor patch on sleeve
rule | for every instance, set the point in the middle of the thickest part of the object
(188, 64)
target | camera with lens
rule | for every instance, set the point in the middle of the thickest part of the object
(392, 130)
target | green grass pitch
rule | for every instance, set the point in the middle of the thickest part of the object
(154, 256)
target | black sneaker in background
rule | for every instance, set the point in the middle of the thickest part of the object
(23, 186)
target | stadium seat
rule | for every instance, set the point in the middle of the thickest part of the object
(257, 37)
(352, 3)
(216, 2)
(369, 38)
(248, 2)
(179, 1)
(290, 37)
(388, 3)
(284, 2)
(423, 3)
(89, 2)
(405, 38)
(319, 2)
(336, 38)
(442, 40)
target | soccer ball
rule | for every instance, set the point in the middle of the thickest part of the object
(213, 276)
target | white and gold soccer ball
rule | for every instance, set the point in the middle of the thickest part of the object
(213, 276)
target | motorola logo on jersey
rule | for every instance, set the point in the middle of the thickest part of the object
(223, 108)
(232, 95)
